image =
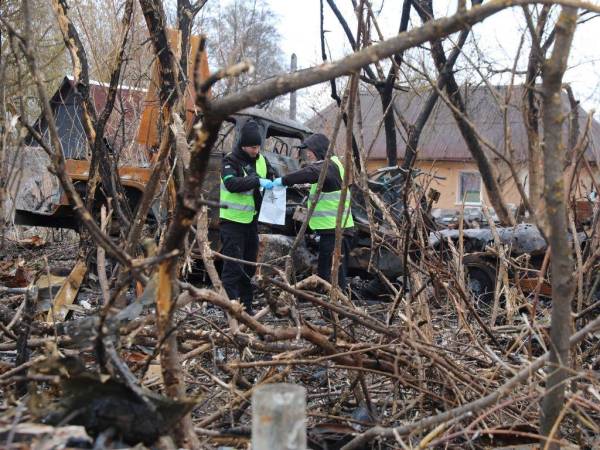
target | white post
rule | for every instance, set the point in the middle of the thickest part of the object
(279, 417)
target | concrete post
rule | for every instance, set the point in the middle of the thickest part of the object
(279, 417)
(293, 68)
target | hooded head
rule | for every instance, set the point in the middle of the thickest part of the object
(318, 144)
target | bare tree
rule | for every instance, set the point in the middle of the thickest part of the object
(244, 30)
(385, 85)
(531, 111)
(17, 83)
(563, 285)
(186, 15)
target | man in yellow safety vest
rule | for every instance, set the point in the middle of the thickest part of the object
(244, 174)
(323, 219)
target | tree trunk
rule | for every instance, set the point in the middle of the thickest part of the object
(169, 356)
(531, 115)
(386, 94)
(554, 193)
(167, 272)
(389, 124)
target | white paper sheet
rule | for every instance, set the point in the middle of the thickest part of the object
(272, 209)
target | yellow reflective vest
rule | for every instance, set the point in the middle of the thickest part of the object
(240, 205)
(325, 213)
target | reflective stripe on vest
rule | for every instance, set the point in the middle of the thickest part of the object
(325, 214)
(240, 205)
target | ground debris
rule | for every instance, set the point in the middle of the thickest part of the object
(366, 363)
(14, 274)
(35, 436)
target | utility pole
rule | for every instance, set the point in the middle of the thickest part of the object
(293, 67)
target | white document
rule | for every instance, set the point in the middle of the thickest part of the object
(272, 209)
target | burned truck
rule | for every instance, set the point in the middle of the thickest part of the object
(280, 146)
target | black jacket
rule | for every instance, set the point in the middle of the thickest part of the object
(232, 173)
(310, 174)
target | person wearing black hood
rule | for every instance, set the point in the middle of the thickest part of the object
(324, 217)
(244, 173)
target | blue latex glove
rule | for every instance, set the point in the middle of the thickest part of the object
(277, 182)
(264, 183)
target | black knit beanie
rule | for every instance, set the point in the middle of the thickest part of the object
(250, 134)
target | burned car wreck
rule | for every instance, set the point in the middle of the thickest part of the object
(525, 255)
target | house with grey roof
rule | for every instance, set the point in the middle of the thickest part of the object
(498, 120)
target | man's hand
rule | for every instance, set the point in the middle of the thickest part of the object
(264, 183)
(277, 182)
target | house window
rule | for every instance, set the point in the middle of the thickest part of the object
(469, 188)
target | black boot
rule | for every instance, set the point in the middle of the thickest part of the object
(248, 307)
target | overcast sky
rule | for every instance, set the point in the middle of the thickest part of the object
(498, 37)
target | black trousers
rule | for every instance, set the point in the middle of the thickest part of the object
(240, 241)
(326, 248)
